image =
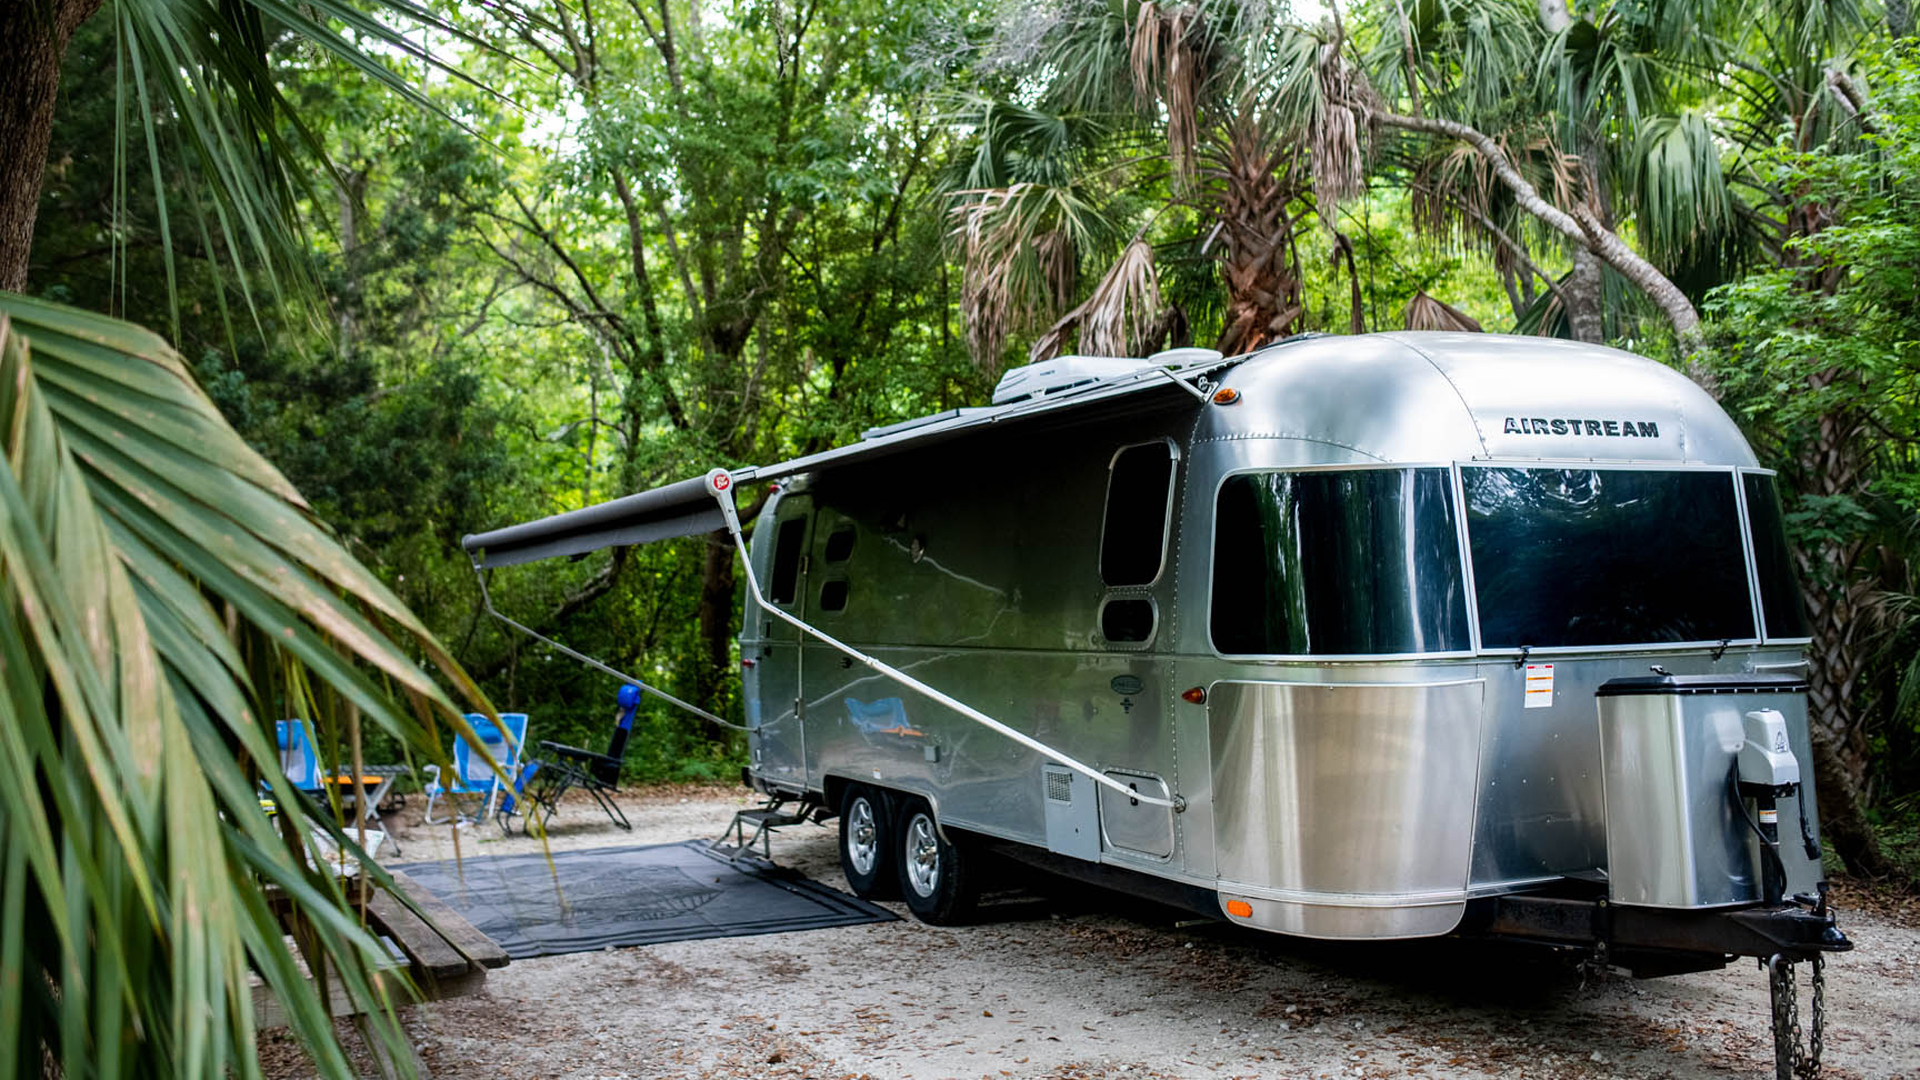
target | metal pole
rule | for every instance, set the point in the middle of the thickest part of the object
(720, 486)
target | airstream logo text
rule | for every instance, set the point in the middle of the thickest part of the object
(1619, 429)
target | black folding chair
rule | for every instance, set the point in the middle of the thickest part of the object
(562, 768)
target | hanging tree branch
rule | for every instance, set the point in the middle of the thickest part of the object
(1579, 227)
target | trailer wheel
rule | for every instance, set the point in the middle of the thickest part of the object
(938, 878)
(866, 844)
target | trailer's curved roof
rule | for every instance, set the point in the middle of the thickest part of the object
(1414, 397)
(1463, 397)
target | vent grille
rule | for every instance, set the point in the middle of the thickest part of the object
(1060, 786)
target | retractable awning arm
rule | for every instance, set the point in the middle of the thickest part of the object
(719, 484)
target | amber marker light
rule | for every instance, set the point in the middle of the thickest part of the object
(1226, 395)
(1240, 909)
(1195, 696)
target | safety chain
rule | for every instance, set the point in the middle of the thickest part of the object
(1792, 1061)
(1809, 1066)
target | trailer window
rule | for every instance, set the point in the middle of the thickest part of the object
(833, 595)
(1337, 563)
(1133, 538)
(1780, 607)
(839, 544)
(786, 560)
(1572, 557)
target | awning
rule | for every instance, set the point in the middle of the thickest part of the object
(679, 509)
(685, 508)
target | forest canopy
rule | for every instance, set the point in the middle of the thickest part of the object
(410, 269)
(587, 249)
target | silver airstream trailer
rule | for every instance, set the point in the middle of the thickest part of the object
(1384, 636)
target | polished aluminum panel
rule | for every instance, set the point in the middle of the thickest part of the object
(976, 568)
(1131, 826)
(1340, 795)
(1674, 837)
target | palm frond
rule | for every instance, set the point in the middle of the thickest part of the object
(1427, 313)
(1680, 196)
(133, 849)
(1118, 317)
(197, 76)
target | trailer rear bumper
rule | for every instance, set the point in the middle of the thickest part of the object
(1655, 941)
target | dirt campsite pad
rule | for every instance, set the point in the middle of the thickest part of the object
(1062, 981)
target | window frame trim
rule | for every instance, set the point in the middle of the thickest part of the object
(1166, 518)
(1213, 527)
(1127, 592)
(1740, 510)
(1753, 562)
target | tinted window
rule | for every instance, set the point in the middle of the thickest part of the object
(786, 560)
(839, 544)
(1128, 619)
(833, 595)
(1337, 563)
(1772, 561)
(1135, 531)
(1605, 557)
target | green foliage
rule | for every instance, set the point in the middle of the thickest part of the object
(162, 587)
(1832, 340)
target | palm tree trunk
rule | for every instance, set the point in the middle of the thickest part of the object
(1836, 594)
(1584, 295)
(31, 48)
(1254, 188)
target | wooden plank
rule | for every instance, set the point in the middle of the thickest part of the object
(453, 926)
(430, 953)
(267, 1012)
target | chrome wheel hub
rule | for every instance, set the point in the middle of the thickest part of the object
(863, 838)
(923, 855)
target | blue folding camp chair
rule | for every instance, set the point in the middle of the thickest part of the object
(297, 757)
(472, 775)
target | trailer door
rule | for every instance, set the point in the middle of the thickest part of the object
(782, 745)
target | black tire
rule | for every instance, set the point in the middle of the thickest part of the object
(866, 844)
(939, 879)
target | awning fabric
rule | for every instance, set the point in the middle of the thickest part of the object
(679, 509)
(685, 508)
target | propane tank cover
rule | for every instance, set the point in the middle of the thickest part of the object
(1767, 758)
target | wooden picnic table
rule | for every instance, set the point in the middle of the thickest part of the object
(445, 955)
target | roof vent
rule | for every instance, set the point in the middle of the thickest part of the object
(1185, 357)
(1049, 377)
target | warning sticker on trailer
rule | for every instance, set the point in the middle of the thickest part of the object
(1539, 686)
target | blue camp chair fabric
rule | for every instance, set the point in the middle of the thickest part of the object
(298, 759)
(472, 775)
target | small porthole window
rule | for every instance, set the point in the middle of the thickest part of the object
(833, 595)
(840, 544)
(1127, 620)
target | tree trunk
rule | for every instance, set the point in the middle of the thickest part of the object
(1579, 226)
(1584, 295)
(1251, 197)
(31, 48)
(1836, 594)
(715, 667)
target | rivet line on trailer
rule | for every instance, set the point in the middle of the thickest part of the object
(720, 486)
(487, 600)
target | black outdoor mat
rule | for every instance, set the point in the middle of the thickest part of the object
(597, 897)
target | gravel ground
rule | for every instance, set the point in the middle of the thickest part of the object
(1063, 981)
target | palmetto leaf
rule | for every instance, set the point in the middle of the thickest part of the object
(196, 74)
(1681, 198)
(132, 847)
